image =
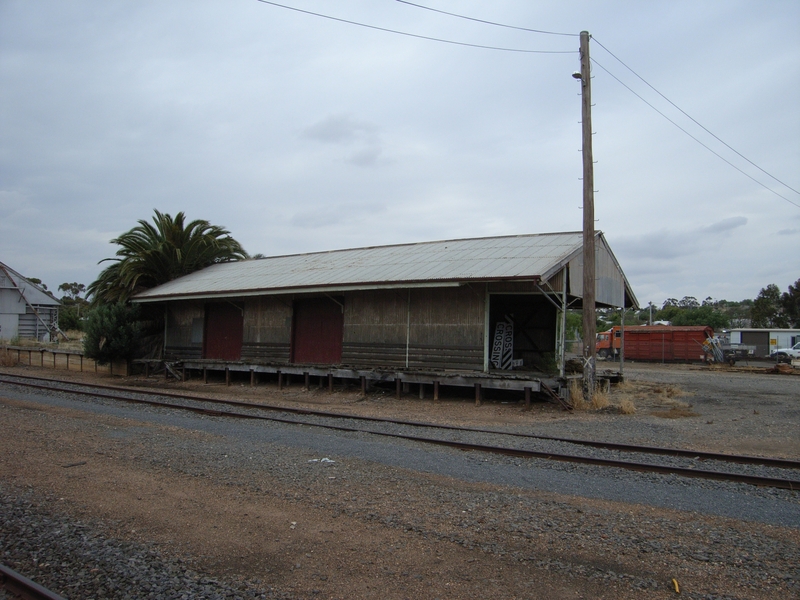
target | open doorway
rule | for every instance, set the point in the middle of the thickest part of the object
(532, 338)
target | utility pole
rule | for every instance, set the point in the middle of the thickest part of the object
(589, 319)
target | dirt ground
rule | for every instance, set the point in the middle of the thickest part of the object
(304, 540)
(744, 410)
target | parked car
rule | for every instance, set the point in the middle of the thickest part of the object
(786, 354)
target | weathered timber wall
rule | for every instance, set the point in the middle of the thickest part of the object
(185, 321)
(444, 325)
(444, 328)
(267, 329)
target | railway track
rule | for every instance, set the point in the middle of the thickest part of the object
(606, 454)
(18, 586)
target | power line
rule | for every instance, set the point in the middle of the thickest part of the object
(444, 12)
(414, 35)
(460, 16)
(692, 118)
(521, 50)
(693, 137)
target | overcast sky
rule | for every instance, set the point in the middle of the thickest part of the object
(299, 133)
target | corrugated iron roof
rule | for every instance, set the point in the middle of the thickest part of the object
(523, 257)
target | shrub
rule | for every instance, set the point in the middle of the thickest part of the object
(69, 318)
(112, 332)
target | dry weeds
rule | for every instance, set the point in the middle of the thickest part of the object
(676, 412)
(600, 399)
(7, 359)
(669, 391)
(626, 406)
(576, 395)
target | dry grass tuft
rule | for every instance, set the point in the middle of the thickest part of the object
(669, 391)
(676, 412)
(626, 406)
(600, 399)
(7, 359)
(624, 386)
(576, 395)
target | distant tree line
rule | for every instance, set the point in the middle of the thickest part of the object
(770, 309)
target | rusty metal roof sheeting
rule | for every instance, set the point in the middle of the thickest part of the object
(521, 257)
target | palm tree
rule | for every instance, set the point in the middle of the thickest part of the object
(151, 255)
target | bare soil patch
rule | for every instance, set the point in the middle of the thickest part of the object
(365, 531)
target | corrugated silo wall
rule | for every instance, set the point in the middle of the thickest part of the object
(443, 327)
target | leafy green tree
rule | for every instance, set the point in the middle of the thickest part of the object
(574, 327)
(790, 302)
(72, 290)
(688, 311)
(112, 332)
(667, 313)
(73, 307)
(69, 318)
(738, 313)
(767, 311)
(37, 281)
(152, 254)
(610, 317)
(702, 315)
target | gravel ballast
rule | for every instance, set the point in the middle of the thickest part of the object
(420, 521)
(81, 560)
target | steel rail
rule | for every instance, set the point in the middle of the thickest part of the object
(20, 586)
(674, 452)
(644, 467)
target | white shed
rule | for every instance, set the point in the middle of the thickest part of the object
(26, 310)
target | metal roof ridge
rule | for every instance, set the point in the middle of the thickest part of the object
(409, 244)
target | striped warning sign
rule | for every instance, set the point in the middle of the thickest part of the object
(503, 344)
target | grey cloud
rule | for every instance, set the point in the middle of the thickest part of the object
(666, 245)
(725, 225)
(333, 214)
(788, 231)
(366, 157)
(340, 129)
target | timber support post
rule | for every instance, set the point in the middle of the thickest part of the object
(589, 318)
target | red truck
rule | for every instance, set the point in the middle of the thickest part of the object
(664, 343)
